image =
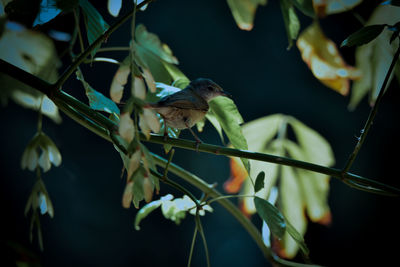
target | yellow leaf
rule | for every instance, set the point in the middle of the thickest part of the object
(128, 195)
(148, 121)
(148, 189)
(118, 83)
(374, 58)
(322, 57)
(293, 210)
(149, 80)
(126, 128)
(139, 89)
(134, 162)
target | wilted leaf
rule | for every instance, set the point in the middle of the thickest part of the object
(364, 35)
(139, 88)
(128, 195)
(292, 208)
(119, 81)
(148, 189)
(259, 184)
(126, 128)
(95, 24)
(230, 119)
(134, 162)
(272, 216)
(323, 58)
(148, 121)
(243, 12)
(315, 147)
(114, 6)
(328, 7)
(374, 58)
(238, 176)
(292, 23)
(315, 186)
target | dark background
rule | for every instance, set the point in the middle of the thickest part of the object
(90, 226)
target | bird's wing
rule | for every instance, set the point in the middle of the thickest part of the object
(184, 100)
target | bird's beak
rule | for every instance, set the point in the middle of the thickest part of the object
(225, 93)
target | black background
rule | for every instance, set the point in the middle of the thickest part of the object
(90, 226)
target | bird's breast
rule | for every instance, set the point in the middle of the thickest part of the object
(179, 118)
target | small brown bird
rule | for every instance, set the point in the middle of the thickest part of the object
(183, 109)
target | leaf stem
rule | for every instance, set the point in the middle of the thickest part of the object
(192, 246)
(71, 68)
(203, 236)
(371, 116)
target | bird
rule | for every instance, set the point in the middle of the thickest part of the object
(183, 109)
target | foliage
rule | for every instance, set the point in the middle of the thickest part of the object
(287, 156)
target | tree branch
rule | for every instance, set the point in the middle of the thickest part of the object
(372, 114)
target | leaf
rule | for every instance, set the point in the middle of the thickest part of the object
(243, 12)
(363, 36)
(392, 2)
(259, 184)
(145, 211)
(328, 7)
(314, 186)
(374, 58)
(297, 237)
(35, 53)
(305, 6)
(119, 81)
(315, 147)
(230, 119)
(114, 6)
(126, 127)
(97, 100)
(292, 204)
(152, 44)
(272, 216)
(211, 118)
(324, 60)
(48, 11)
(292, 23)
(95, 24)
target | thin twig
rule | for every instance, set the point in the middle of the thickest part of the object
(71, 69)
(372, 114)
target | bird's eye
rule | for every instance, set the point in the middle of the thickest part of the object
(210, 88)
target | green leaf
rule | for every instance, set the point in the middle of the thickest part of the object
(97, 100)
(305, 6)
(211, 118)
(292, 23)
(48, 11)
(145, 211)
(259, 184)
(152, 44)
(243, 12)
(363, 36)
(230, 119)
(297, 237)
(272, 216)
(95, 24)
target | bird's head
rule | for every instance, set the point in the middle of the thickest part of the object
(207, 89)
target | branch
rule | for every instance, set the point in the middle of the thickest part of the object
(70, 70)
(372, 114)
(106, 124)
